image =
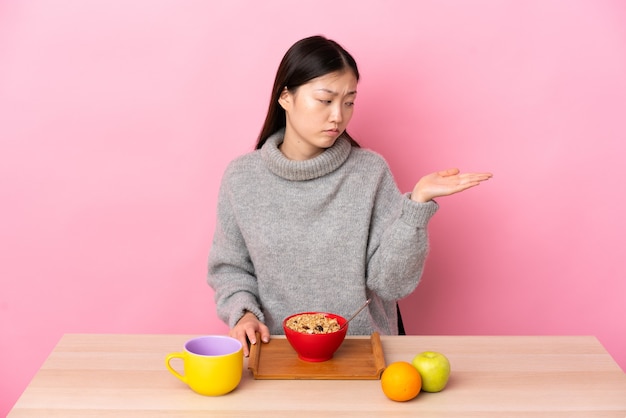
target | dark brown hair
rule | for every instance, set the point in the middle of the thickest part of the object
(307, 59)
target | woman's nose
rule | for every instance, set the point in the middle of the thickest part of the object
(336, 114)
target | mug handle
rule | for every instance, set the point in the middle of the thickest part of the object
(171, 369)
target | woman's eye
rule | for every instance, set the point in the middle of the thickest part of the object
(349, 104)
(326, 101)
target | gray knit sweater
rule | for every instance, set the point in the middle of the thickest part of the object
(317, 235)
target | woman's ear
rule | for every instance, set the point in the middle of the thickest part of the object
(284, 100)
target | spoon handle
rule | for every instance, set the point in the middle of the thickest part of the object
(367, 302)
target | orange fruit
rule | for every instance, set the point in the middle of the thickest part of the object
(401, 381)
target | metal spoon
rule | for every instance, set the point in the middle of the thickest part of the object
(367, 302)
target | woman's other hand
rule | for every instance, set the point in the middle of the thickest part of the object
(247, 327)
(446, 182)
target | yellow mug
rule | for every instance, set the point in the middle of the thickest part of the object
(213, 364)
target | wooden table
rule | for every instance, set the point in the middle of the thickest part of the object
(94, 375)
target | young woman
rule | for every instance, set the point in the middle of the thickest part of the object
(309, 221)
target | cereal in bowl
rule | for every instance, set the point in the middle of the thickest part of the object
(313, 324)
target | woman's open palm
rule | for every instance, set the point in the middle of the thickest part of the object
(446, 182)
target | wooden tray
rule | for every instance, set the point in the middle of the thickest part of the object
(356, 359)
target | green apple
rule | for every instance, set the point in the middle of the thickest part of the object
(434, 368)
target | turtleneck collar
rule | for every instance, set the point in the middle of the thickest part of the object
(325, 163)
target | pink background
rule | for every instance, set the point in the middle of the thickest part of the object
(117, 119)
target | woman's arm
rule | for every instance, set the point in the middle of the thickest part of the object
(231, 275)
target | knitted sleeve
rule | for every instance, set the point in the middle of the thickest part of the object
(230, 270)
(398, 241)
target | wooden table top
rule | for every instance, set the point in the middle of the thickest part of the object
(105, 375)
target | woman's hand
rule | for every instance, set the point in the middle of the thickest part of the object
(444, 183)
(247, 327)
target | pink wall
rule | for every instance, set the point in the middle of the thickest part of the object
(118, 118)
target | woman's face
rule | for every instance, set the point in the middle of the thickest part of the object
(317, 113)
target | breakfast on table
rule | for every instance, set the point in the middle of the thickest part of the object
(213, 365)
